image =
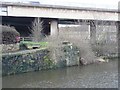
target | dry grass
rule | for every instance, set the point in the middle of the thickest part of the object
(80, 40)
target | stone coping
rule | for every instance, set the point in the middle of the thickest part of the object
(23, 51)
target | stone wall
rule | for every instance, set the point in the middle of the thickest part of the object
(24, 61)
(9, 47)
(35, 60)
(38, 59)
(71, 55)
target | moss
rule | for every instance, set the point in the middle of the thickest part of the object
(25, 61)
(48, 63)
(30, 44)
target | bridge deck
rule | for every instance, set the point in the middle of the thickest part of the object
(58, 7)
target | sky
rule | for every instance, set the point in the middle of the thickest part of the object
(112, 4)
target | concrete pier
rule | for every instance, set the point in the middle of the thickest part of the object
(54, 28)
(92, 32)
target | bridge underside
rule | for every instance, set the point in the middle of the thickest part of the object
(23, 24)
(50, 25)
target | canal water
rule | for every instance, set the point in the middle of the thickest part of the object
(104, 75)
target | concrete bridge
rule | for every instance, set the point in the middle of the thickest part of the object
(58, 14)
(62, 12)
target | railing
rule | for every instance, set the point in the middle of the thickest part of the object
(25, 38)
(27, 43)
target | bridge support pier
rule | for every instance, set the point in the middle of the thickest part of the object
(54, 28)
(92, 32)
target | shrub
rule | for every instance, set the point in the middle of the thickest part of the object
(9, 35)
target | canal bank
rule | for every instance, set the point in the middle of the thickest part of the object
(104, 75)
(38, 59)
(41, 59)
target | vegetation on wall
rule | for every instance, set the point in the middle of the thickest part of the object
(25, 61)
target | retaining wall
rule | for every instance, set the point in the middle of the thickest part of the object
(24, 61)
(35, 60)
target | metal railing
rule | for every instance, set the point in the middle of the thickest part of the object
(25, 38)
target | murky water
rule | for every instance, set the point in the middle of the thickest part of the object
(103, 75)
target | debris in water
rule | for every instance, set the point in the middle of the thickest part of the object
(102, 60)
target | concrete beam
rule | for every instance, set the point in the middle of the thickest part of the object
(61, 13)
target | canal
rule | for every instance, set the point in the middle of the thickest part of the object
(104, 75)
